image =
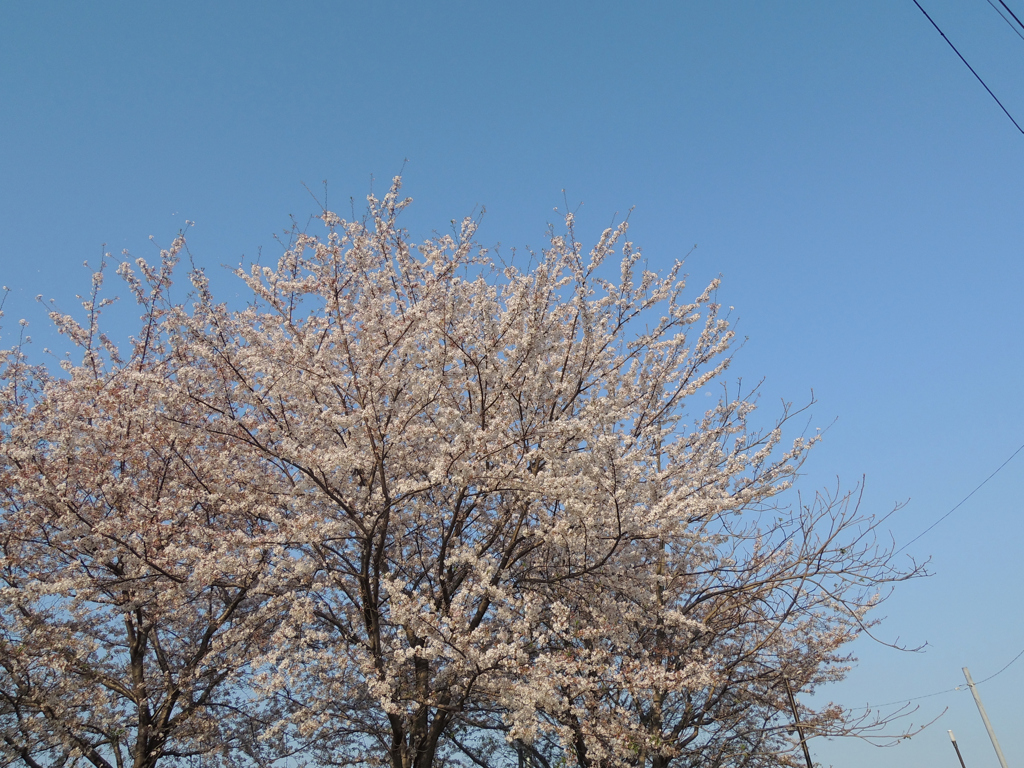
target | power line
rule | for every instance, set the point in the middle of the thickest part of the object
(1003, 17)
(1001, 670)
(1011, 13)
(965, 498)
(969, 66)
(915, 698)
(954, 689)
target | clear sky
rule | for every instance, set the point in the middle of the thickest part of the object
(855, 186)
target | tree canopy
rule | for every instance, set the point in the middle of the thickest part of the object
(411, 505)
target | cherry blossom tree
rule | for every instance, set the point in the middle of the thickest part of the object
(507, 515)
(134, 578)
(698, 668)
(413, 505)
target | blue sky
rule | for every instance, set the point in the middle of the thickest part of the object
(857, 189)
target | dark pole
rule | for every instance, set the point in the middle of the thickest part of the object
(961, 757)
(796, 724)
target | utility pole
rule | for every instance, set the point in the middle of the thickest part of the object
(800, 728)
(984, 717)
(961, 757)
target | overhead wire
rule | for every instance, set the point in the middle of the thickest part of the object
(961, 687)
(964, 499)
(1019, 22)
(1006, 667)
(926, 530)
(976, 75)
(1003, 17)
(916, 698)
(1021, 448)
